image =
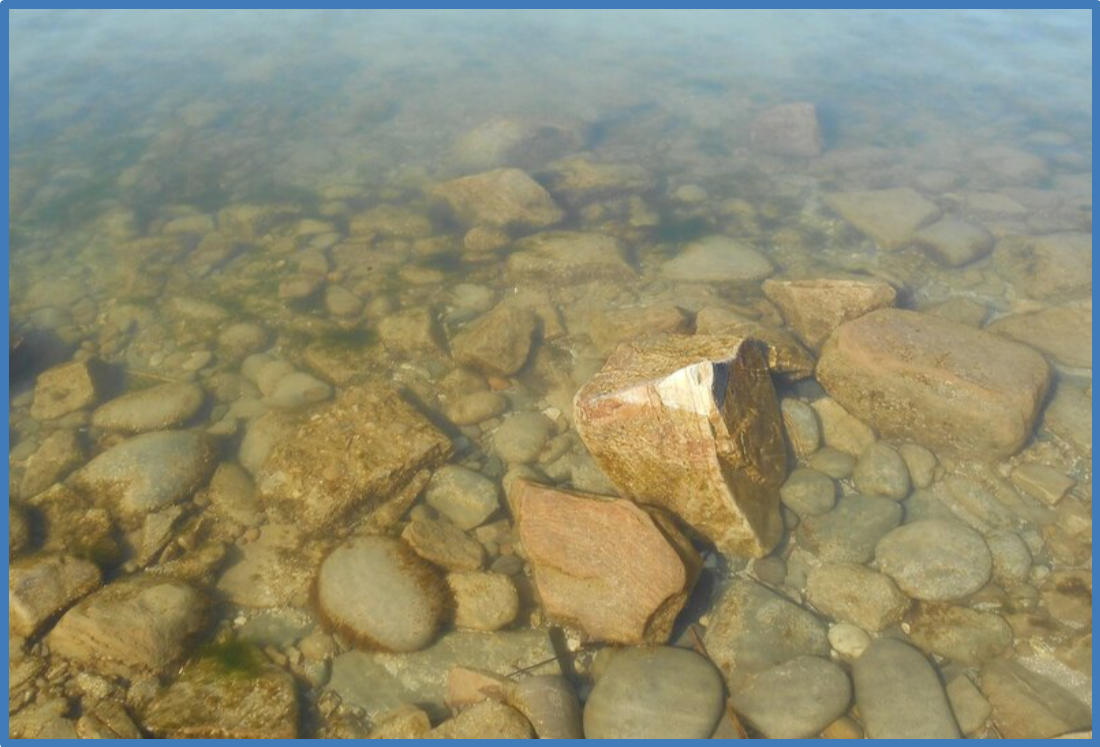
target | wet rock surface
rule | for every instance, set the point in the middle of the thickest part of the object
(899, 695)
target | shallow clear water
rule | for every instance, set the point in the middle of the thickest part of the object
(210, 203)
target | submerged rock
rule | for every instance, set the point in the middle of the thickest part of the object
(59, 454)
(550, 703)
(788, 130)
(140, 623)
(954, 242)
(156, 408)
(64, 389)
(41, 587)
(889, 217)
(504, 197)
(465, 497)
(796, 699)
(850, 532)
(367, 450)
(378, 592)
(483, 601)
(580, 180)
(442, 543)
(148, 472)
(856, 594)
(1057, 266)
(752, 629)
(232, 692)
(508, 141)
(814, 308)
(718, 259)
(485, 720)
(611, 568)
(786, 355)
(692, 424)
(924, 378)
(899, 695)
(1063, 334)
(1027, 705)
(499, 342)
(935, 560)
(274, 570)
(657, 692)
(566, 257)
(965, 636)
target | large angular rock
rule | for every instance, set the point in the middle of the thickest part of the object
(503, 197)
(64, 389)
(617, 571)
(568, 257)
(233, 692)
(139, 623)
(1057, 266)
(814, 308)
(889, 217)
(718, 259)
(788, 130)
(929, 380)
(369, 449)
(692, 424)
(499, 342)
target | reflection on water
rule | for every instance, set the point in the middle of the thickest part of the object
(315, 316)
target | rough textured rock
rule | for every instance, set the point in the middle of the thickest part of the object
(752, 629)
(522, 436)
(881, 471)
(660, 692)
(140, 623)
(465, 497)
(485, 720)
(954, 242)
(503, 197)
(1063, 334)
(442, 543)
(692, 424)
(795, 699)
(610, 327)
(889, 217)
(378, 592)
(786, 355)
(788, 130)
(368, 450)
(508, 141)
(567, 257)
(814, 308)
(483, 601)
(156, 408)
(499, 342)
(550, 703)
(856, 594)
(580, 179)
(951, 387)
(718, 259)
(617, 571)
(935, 560)
(379, 682)
(64, 389)
(1027, 705)
(1058, 266)
(960, 634)
(43, 586)
(851, 531)
(147, 472)
(59, 454)
(899, 695)
(233, 692)
(71, 524)
(275, 570)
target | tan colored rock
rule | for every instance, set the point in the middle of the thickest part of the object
(889, 217)
(1027, 705)
(786, 355)
(567, 257)
(788, 130)
(926, 379)
(507, 141)
(856, 594)
(619, 572)
(499, 342)
(580, 180)
(366, 450)
(503, 197)
(41, 587)
(1062, 334)
(613, 326)
(840, 429)
(954, 242)
(814, 308)
(692, 424)
(1057, 266)
(64, 389)
(718, 259)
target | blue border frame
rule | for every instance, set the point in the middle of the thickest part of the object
(26, 5)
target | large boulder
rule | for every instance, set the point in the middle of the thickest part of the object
(368, 450)
(503, 197)
(936, 382)
(692, 424)
(612, 568)
(814, 308)
(889, 217)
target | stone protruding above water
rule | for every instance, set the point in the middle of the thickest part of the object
(814, 308)
(617, 571)
(503, 197)
(692, 424)
(379, 593)
(367, 449)
(930, 380)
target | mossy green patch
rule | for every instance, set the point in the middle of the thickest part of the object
(234, 657)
